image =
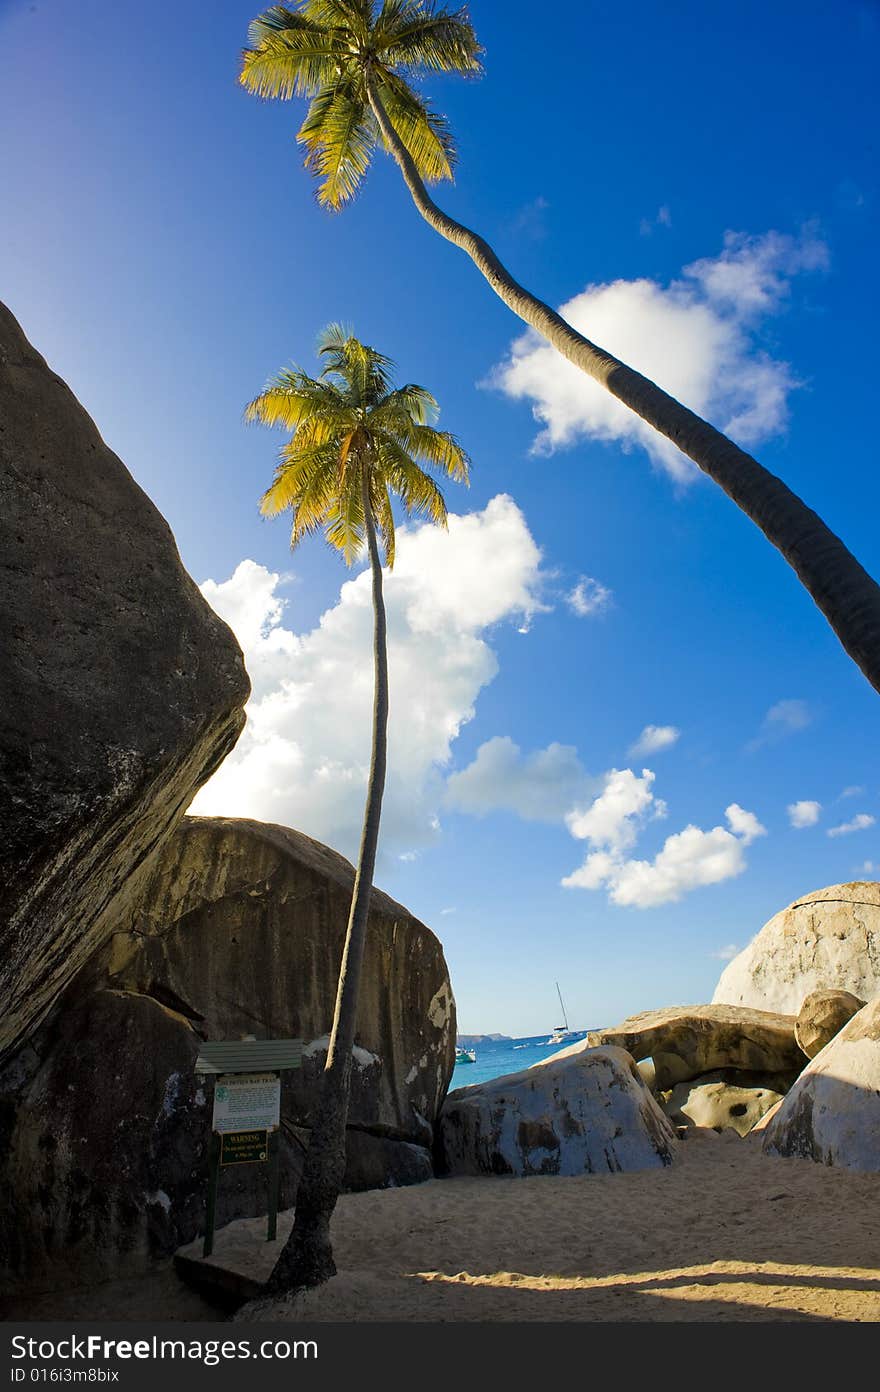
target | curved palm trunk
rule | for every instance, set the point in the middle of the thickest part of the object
(846, 594)
(307, 1256)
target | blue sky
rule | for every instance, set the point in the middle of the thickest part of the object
(697, 183)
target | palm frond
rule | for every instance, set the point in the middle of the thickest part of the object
(384, 517)
(345, 518)
(416, 490)
(407, 403)
(424, 132)
(339, 134)
(291, 398)
(295, 471)
(438, 448)
(354, 16)
(289, 55)
(360, 370)
(418, 34)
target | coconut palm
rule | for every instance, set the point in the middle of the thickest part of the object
(356, 442)
(354, 60)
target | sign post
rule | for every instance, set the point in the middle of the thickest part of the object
(247, 1114)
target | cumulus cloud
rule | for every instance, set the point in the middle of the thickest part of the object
(589, 597)
(687, 859)
(615, 817)
(695, 337)
(784, 719)
(304, 755)
(726, 953)
(804, 814)
(654, 738)
(860, 822)
(854, 790)
(538, 787)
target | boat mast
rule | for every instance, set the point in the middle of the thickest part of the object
(562, 1004)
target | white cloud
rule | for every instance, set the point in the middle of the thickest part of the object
(538, 787)
(304, 754)
(744, 824)
(860, 822)
(804, 814)
(854, 790)
(753, 274)
(614, 819)
(589, 597)
(726, 953)
(695, 337)
(687, 859)
(784, 719)
(654, 738)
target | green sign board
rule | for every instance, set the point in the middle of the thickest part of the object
(244, 1147)
(247, 1112)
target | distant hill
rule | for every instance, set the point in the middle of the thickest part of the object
(467, 1041)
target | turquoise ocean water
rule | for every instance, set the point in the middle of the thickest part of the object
(498, 1057)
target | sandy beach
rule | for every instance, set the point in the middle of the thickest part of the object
(725, 1234)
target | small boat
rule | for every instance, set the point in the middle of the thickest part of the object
(562, 1034)
(465, 1055)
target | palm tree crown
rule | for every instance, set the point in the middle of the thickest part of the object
(355, 437)
(333, 52)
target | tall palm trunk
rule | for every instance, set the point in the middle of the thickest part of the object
(846, 594)
(307, 1256)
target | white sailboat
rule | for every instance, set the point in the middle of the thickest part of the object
(562, 1034)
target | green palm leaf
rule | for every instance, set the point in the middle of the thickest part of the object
(330, 51)
(349, 426)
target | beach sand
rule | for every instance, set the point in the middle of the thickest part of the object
(726, 1233)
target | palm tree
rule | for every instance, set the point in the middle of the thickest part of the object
(356, 442)
(352, 60)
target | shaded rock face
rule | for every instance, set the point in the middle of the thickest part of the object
(832, 1114)
(828, 940)
(241, 931)
(822, 1016)
(103, 1122)
(121, 690)
(720, 1101)
(587, 1113)
(686, 1041)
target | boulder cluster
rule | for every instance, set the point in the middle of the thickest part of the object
(624, 1096)
(130, 934)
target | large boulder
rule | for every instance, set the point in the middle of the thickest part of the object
(241, 929)
(829, 939)
(719, 1101)
(121, 689)
(823, 1015)
(685, 1041)
(103, 1121)
(832, 1114)
(586, 1113)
